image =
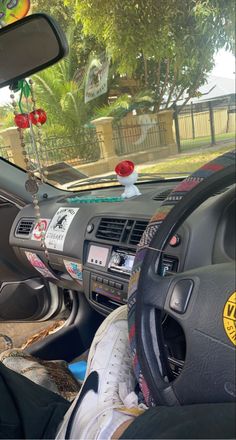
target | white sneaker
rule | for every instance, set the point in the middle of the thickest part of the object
(109, 383)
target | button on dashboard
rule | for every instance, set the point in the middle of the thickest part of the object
(175, 240)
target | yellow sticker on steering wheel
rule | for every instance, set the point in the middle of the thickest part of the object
(229, 318)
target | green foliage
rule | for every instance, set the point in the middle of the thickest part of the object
(141, 102)
(168, 44)
(61, 99)
(80, 45)
(155, 28)
(6, 116)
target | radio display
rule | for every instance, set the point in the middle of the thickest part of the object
(129, 262)
(121, 262)
(98, 255)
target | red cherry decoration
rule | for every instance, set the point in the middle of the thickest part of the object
(38, 115)
(124, 168)
(22, 120)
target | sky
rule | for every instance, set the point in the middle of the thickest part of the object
(224, 67)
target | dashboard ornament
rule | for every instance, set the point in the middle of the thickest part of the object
(94, 199)
(127, 176)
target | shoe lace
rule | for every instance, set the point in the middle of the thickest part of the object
(121, 373)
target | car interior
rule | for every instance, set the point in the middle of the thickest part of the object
(85, 269)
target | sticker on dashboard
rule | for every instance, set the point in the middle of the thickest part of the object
(39, 265)
(58, 228)
(74, 269)
(40, 228)
(229, 318)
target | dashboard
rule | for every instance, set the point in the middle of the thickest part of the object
(92, 238)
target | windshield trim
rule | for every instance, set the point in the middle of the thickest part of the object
(112, 184)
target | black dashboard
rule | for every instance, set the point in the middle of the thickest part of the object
(91, 243)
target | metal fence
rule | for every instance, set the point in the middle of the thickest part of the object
(85, 147)
(131, 137)
(6, 153)
(208, 123)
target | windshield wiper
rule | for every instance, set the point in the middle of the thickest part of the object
(113, 178)
(94, 180)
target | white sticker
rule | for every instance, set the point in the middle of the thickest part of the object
(39, 265)
(41, 225)
(58, 228)
(74, 269)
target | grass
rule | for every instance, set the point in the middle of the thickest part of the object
(189, 144)
(185, 162)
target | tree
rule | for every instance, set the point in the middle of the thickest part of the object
(62, 97)
(168, 44)
(80, 45)
(6, 116)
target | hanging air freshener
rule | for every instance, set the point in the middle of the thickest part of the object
(13, 10)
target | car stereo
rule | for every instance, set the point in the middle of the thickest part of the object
(121, 261)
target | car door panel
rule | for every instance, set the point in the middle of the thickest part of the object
(24, 295)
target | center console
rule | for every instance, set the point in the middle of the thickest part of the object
(107, 270)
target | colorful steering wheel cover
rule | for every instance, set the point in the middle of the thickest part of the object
(175, 196)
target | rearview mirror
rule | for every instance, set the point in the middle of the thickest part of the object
(28, 46)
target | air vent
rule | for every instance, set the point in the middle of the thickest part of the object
(137, 231)
(24, 227)
(111, 229)
(162, 196)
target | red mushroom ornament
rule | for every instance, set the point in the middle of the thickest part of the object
(127, 176)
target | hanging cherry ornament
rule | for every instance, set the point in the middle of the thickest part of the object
(38, 116)
(22, 120)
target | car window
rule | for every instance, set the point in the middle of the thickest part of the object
(136, 85)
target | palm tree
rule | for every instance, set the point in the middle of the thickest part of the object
(140, 102)
(62, 98)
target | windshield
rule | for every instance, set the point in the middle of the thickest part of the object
(136, 85)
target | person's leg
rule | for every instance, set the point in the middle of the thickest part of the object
(121, 429)
(107, 398)
(28, 410)
(107, 407)
(201, 421)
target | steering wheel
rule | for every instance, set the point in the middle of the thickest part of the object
(197, 299)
